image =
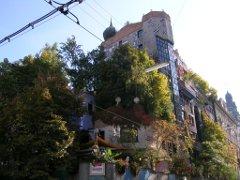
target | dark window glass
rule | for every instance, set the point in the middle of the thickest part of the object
(101, 134)
(162, 47)
(90, 108)
(140, 33)
(140, 46)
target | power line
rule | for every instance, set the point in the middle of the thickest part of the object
(63, 9)
(8, 38)
(180, 11)
(118, 115)
(78, 23)
(108, 20)
(92, 17)
(108, 13)
(17, 36)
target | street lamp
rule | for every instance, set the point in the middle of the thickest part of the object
(156, 66)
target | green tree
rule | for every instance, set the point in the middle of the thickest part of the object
(82, 68)
(123, 76)
(215, 157)
(120, 75)
(36, 110)
(201, 84)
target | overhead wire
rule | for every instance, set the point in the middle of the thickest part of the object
(118, 115)
(92, 17)
(120, 23)
(180, 11)
(17, 36)
(78, 23)
(108, 20)
(33, 23)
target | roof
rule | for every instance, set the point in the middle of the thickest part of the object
(117, 115)
(133, 27)
(126, 30)
(102, 143)
(155, 14)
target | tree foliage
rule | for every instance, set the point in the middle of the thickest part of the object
(122, 75)
(36, 109)
(216, 158)
(82, 68)
(165, 133)
(201, 84)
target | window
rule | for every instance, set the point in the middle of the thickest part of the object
(162, 48)
(140, 46)
(191, 120)
(90, 108)
(101, 134)
(191, 108)
(128, 135)
(183, 115)
(140, 33)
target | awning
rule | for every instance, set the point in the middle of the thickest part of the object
(101, 143)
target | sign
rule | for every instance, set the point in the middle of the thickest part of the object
(97, 169)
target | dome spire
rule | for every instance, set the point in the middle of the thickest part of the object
(109, 32)
(111, 22)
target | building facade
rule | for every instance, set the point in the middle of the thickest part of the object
(153, 33)
(224, 119)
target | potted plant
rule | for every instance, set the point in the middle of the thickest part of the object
(120, 166)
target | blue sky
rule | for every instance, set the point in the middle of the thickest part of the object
(206, 33)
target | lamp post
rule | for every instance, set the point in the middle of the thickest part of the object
(156, 66)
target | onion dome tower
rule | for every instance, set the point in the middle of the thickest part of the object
(109, 32)
(232, 108)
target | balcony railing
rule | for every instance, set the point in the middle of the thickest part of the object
(187, 90)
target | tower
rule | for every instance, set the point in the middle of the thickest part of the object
(109, 32)
(231, 106)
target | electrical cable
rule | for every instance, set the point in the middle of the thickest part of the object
(179, 13)
(33, 23)
(8, 38)
(96, 11)
(17, 36)
(92, 17)
(78, 23)
(108, 13)
(118, 115)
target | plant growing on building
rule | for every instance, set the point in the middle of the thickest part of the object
(122, 75)
(201, 84)
(121, 165)
(108, 156)
(142, 158)
(215, 160)
(165, 133)
(182, 166)
(173, 143)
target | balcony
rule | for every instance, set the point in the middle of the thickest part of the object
(187, 90)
